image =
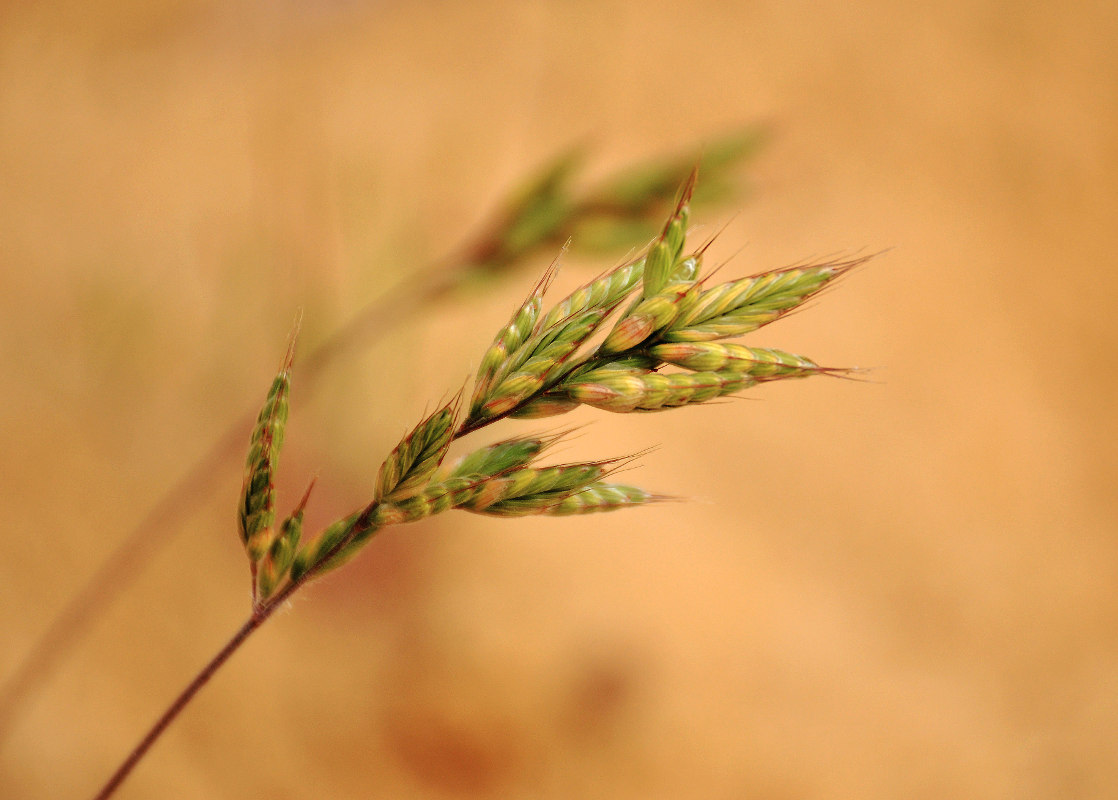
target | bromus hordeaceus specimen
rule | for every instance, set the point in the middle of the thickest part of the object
(660, 347)
(547, 209)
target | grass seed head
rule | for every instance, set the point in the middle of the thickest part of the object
(656, 391)
(504, 456)
(738, 307)
(415, 459)
(760, 363)
(316, 553)
(257, 510)
(665, 250)
(601, 497)
(602, 294)
(649, 316)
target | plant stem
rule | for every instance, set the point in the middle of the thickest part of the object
(260, 615)
(187, 694)
(156, 528)
(258, 618)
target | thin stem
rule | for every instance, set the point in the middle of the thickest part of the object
(260, 615)
(156, 528)
(180, 702)
(125, 561)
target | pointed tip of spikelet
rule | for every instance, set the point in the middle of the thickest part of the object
(689, 186)
(292, 340)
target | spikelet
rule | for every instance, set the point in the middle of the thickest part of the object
(544, 406)
(532, 368)
(274, 566)
(533, 490)
(435, 498)
(337, 543)
(257, 509)
(601, 496)
(601, 294)
(414, 460)
(738, 307)
(510, 338)
(664, 252)
(649, 316)
(654, 391)
(504, 456)
(760, 363)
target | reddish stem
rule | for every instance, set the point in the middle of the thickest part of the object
(258, 618)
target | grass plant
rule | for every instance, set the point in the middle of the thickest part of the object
(549, 209)
(645, 336)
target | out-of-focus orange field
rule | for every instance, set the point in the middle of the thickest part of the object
(904, 587)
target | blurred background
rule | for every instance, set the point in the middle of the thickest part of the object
(900, 588)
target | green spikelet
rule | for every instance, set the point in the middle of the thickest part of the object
(648, 317)
(533, 490)
(601, 294)
(599, 497)
(654, 391)
(317, 554)
(510, 339)
(665, 251)
(414, 460)
(544, 406)
(760, 363)
(434, 498)
(503, 456)
(738, 307)
(532, 352)
(257, 510)
(274, 567)
(539, 362)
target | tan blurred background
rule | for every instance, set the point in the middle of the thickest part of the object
(903, 588)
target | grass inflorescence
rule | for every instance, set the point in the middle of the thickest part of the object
(644, 336)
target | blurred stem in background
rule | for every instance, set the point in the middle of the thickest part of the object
(621, 212)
